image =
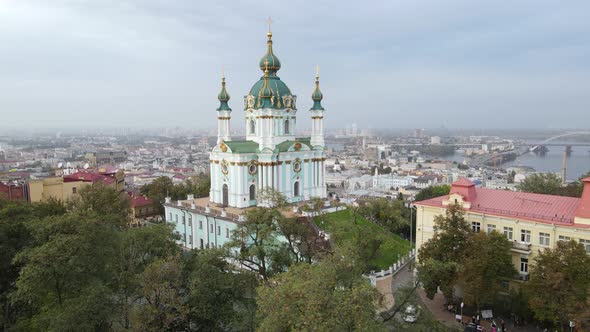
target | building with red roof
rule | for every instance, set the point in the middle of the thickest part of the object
(532, 222)
(66, 187)
(142, 208)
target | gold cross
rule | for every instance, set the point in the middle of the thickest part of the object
(269, 21)
(317, 70)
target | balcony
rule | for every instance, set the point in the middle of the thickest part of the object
(521, 247)
(523, 276)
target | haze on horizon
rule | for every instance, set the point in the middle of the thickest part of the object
(154, 63)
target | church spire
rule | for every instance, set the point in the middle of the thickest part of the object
(317, 95)
(269, 60)
(223, 96)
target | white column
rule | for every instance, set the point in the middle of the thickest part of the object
(289, 189)
(259, 178)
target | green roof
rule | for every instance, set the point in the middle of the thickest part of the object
(317, 96)
(284, 147)
(223, 97)
(278, 90)
(242, 146)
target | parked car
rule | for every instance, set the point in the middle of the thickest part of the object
(411, 314)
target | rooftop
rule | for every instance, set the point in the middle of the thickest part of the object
(534, 207)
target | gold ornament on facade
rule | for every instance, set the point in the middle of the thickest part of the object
(297, 146)
(224, 167)
(223, 147)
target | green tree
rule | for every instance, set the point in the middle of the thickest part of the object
(14, 237)
(559, 285)
(65, 272)
(220, 297)
(163, 307)
(104, 203)
(163, 187)
(317, 297)
(487, 263)
(139, 247)
(541, 183)
(256, 245)
(387, 213)
(441, 255)
(303, 240)
(432, 192)
(158, 190)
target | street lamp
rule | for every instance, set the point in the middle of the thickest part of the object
(409, 204)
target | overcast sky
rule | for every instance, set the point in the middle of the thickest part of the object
(393, 63)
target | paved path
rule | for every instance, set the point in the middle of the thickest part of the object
(438, 309)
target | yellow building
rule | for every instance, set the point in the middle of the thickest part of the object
(532, 222)
(53, 187)
(66, 187)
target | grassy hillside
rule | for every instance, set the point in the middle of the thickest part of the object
(343, 225)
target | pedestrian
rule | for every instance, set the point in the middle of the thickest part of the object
(503, 325)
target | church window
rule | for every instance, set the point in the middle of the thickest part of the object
(296, 189)
(252, 127)
(286, 126)
(252, 168)
(252, 192)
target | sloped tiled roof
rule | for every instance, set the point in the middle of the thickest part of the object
(518, 205)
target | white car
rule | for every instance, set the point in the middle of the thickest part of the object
(411, 314)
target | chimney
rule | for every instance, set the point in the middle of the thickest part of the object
(583, 210)
(168, 200)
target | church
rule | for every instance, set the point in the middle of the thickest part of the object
(270, 157)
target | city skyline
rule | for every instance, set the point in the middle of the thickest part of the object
(152, 64)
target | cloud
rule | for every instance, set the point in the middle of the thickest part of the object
(383, 63)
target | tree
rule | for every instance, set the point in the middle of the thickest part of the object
(304, 241)
(432, 192)
(65, 272)
(559, 285)
(139, 247)
(541, 183)
(104, 203)
(164, 308)
(220, 297)
(255, 242)
(487, 263)
(386, 213)
(317, 297)
(440, 257)
(158, 190)
(163, 187)
(14, 237)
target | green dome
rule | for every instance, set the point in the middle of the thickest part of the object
(270, 91)
(317, 96)
(223, 97)
(269, 60)
(275, 99)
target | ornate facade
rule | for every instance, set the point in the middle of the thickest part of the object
(271, 156)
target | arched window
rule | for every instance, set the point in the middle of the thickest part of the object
(296, 189)
(252, 192)
(252, 127)
(225, 195)
(286, 126)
